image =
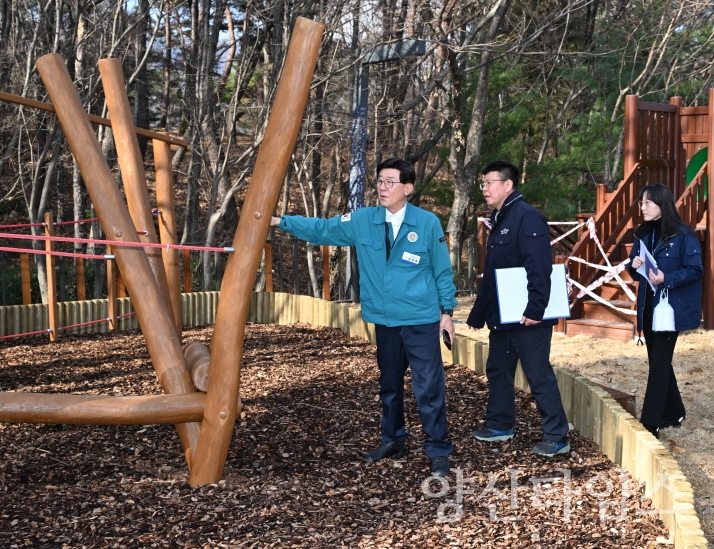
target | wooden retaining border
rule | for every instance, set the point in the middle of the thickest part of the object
(589, 407)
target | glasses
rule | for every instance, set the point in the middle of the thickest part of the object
(644, 203)
(388, 183)
(485, 184)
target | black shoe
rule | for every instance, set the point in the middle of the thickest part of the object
(675, 424)
(388, 449)
(652, 429)
(440, 466)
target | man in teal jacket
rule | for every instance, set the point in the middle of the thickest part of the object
(407, 290)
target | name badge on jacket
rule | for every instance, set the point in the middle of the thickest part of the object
(411, 258)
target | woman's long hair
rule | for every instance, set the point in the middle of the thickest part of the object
(663, 197)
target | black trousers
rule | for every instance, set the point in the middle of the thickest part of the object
(532, 346)
(663, 404)
(417, 346)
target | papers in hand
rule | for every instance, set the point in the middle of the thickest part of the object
(648, 264)
(512, 290)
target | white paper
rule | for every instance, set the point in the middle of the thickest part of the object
(648, 264)
(512, 290)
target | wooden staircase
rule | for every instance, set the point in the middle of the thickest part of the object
(598, 320)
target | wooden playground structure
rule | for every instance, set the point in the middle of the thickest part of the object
(664, 143)
(204, 421)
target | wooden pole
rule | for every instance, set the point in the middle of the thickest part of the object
(52, 310)
(100, 409)
(156, 322)
(632, 150)
(709, 241)
(25, 277)
(326, 273)
(112, 291)
(261, 199)
(131, 164)
(79, 274)
(187, 283)
(679, 155)
(121, 287)
(167, 225)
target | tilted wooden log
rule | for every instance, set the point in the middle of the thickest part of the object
(167, 226)
(261, 199)
(131, 165)
(156, 322)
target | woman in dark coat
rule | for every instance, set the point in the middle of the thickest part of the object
(679, 270)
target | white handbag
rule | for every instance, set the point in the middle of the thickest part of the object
(663, 314)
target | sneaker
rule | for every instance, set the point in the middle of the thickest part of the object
(652, 429)
(493, 435)
(440, 466)
(388, 449)
(550, 448)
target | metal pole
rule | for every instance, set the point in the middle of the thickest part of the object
(296, 273)
(280, 265)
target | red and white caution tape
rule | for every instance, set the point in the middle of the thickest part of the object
(596, 297)
(593, 235)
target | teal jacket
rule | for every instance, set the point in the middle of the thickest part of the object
(412, 285)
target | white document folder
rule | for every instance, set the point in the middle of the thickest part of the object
(512, 290)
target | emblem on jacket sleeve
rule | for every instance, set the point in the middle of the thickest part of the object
(412, 237)
(346, 217)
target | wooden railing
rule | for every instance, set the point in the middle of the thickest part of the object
(619, 214)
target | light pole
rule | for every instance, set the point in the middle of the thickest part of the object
(404, 49)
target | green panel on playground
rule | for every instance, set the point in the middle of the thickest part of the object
(695, 164)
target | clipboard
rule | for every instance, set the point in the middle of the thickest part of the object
(649, 264)
(512, 292)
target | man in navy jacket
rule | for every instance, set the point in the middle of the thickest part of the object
(519, 238)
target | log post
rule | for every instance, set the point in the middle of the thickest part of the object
(121, 287)
(79, 274)
(131, 165)
(112, 291)
(52, 310)
(167, 225)
(709, 240)
(25, 277)
(261, 198)
(156, 323)
(187, 284)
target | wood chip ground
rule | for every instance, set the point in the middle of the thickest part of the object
(295, 475)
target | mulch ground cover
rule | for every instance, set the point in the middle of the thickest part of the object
(295, 475)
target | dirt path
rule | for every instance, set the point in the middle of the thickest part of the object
(624, 366)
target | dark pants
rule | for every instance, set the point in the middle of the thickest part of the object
(416, 346)
(663, 404)
(532, 346)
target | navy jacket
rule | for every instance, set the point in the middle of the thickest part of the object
(519, 238)
(679, 257)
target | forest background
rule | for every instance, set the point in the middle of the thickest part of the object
(541, 84)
